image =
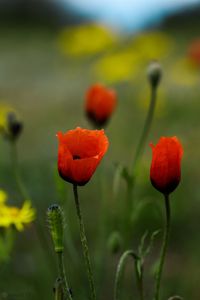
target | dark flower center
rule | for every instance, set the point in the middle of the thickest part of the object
(76, 157)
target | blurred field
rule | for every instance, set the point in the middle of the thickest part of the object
(47, 88)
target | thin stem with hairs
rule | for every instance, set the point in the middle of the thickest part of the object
(84, 244)
(145, 132)
(15, 164)
(164, 248)
(61, 267)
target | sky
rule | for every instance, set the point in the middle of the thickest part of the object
(127, 15)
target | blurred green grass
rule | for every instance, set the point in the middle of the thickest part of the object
(48, 91)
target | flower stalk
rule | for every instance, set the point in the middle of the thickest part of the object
(154, 74)
(62, 274)
(145, 132)
(56, 227)
(15, 164)
(120, 271)
(164, 247)
(84, 244)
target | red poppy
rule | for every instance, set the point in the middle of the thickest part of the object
(194, 52)
(100, 104)
(165, 170)
(79, 153)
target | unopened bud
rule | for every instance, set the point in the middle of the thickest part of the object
(154, 73)
(56, 225)
(115, 242)
(14, 125)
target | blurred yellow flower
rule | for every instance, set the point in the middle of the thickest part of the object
(118, 66)
(86, 39)
(183, 72)
(152, 45)
(4, 111)
(11, 215)
(3, 197)
(125, 64)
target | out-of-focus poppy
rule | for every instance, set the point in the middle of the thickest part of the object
(79, 153)
(100, 104)
(10, 124)
(165, 172)
(194, 52)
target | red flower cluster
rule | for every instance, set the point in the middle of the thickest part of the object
(165, 172)
(79, 153)
(194, 52)
(100, 104)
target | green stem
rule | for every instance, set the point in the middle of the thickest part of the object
(67, 293)
(164, 247)
(140, 149)
(25, 195)
(120, 271)
(84, 244)
(14, 157)
(139, 277)
(58, 289)
(145, 132)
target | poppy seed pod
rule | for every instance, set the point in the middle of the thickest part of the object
(165, 172)
(79, 153)
(56, 225)
(154, 73)
(100, 104)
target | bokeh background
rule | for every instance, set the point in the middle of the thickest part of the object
(50, 53)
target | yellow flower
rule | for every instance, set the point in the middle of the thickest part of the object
(3, 197)
(85, 39)
(11, 215)
(4, 111)
(184, 73)
(116, 67)
(152, 45)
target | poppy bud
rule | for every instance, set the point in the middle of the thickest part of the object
(165, 172)
(56, 225)
(100, 104)
(79, 153)
(14, 125)
(154, 73)
(115, 242)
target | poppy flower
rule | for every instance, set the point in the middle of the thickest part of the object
(100, 104)
(165, 172)
(79, 153)
(194, 52)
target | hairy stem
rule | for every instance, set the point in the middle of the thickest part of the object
(62, 274)
(145, 132)
(164, 247)
(84, 244)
